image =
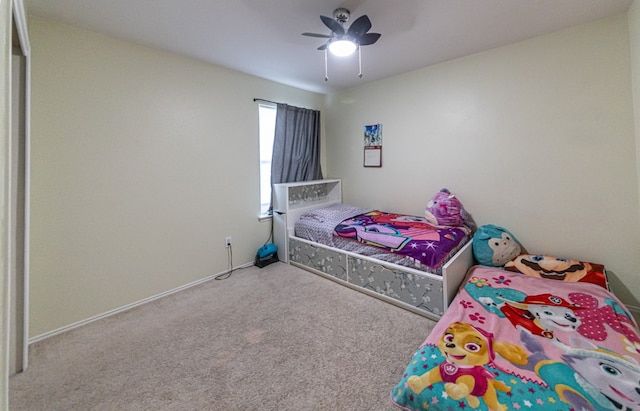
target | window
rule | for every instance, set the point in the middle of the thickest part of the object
(267, 116)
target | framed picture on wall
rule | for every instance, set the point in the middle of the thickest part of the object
(373, 145)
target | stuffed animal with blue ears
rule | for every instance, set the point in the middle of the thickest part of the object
(495, 246)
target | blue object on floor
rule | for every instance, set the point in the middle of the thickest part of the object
(266, 255)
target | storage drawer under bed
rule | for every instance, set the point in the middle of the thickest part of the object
(322, 259)
(422, 293)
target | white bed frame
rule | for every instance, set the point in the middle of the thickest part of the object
(291, 200)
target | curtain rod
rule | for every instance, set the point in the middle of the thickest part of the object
(275, 102)
(266, 101)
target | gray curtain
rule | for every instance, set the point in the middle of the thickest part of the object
(296, 145)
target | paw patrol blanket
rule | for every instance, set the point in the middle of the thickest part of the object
(515, 342)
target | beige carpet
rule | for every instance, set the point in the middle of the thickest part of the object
(277, 338)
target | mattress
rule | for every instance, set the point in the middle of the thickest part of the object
(319, 225)
(520, 342)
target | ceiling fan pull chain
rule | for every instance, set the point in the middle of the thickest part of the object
(326, 76)
(359, 61)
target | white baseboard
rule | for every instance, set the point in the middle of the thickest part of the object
(60, 330)
(128, 306)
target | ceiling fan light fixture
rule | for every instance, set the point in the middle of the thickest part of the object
(342, 47)
(344, 42)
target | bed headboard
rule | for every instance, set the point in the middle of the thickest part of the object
(291, 200)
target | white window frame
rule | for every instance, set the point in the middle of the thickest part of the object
(267, 126)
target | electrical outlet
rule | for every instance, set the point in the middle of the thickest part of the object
(227, 242)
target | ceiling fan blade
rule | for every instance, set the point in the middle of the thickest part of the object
(360, 26)
(324, 46)
(333, 25)
(369, 38)
(324, 36)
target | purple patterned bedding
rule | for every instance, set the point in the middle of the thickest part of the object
(410, 236)
(319, 225)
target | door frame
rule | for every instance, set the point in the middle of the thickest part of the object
(20, 21)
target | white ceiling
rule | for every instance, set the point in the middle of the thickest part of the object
(263, 37)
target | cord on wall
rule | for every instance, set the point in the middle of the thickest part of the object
(270, 239)
(230, 269)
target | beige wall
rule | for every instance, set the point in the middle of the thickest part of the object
(537, 137)
(143, 162)
(634, 40)
(5, 97)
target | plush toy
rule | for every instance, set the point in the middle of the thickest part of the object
(494, 246)
(445, 210)
(544, 266)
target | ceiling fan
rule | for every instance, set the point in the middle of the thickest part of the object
(343, 42)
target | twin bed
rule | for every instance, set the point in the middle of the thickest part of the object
(514, 341)
(505, 339)
(306, 216)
